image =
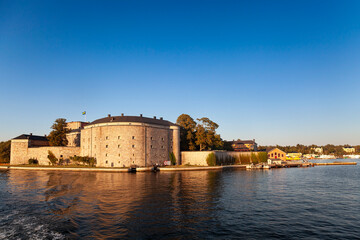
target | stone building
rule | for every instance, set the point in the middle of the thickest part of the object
(25, 147)
(115, 141)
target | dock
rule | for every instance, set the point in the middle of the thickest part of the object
(335, 163)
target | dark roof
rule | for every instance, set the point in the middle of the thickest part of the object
(133, 119)
(32, 137)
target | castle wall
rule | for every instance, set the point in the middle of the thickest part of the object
(19, 149)
(176, 143)
(199, 157)
(73, 139)
(195, 158)
(126, 144)
(41, 153)
(21, 152)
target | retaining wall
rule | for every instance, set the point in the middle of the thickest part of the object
(198, 158)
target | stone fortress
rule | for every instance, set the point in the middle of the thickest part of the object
(114, 141)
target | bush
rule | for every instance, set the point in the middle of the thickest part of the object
(51, 156)
(90, 161)
(263, 156)
(245, 159)
(254, 158)
(227, 160)
(211, 159)
(33, 161)
(237, 159)
(172, 158)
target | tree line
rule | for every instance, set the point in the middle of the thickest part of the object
(328, 149)
(199, 135)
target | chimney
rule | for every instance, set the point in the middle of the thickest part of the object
(109, 115)
(140, 115)
(154, 117)
(122, 114)
(161, 118)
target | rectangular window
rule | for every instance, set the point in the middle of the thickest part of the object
(118, 137)
(105, 154)
(106, 146)
(133, 146)
(162, 146)
(133, 137)
(118, 146)
(106, 137)
(151, 138)
(150, 146)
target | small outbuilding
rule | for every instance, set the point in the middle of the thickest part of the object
(277, 154)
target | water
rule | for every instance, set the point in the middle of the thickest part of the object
(307, 203)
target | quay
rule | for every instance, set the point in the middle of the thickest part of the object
(178, 168)
(131, 169)
(335, 163)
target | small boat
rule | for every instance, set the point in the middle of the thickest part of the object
(266, 167)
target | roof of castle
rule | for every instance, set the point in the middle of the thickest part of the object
(32, 137)
(133, 119)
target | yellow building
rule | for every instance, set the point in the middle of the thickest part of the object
(349, 149)
(293, 156)
(276, 153)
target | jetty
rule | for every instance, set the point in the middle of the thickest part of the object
(335, 163)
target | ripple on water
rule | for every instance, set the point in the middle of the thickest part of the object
(314, 203)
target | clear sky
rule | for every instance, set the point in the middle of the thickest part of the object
(280, 72)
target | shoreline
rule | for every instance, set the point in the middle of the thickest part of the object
(148, 169)
(139, 169)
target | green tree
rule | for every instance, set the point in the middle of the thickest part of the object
(5, 151)
(187, 132)
(57, 136)
(206, 137)
(172, 158)
(51, 156)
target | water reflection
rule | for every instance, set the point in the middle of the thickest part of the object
(196, 204)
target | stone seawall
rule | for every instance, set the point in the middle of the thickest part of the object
(198, 158)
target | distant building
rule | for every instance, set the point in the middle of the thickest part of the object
(349, 149)
(244, 145)
(294, 155)
(318, 150)
(276, 153)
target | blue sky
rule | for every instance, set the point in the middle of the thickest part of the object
(282, 72)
